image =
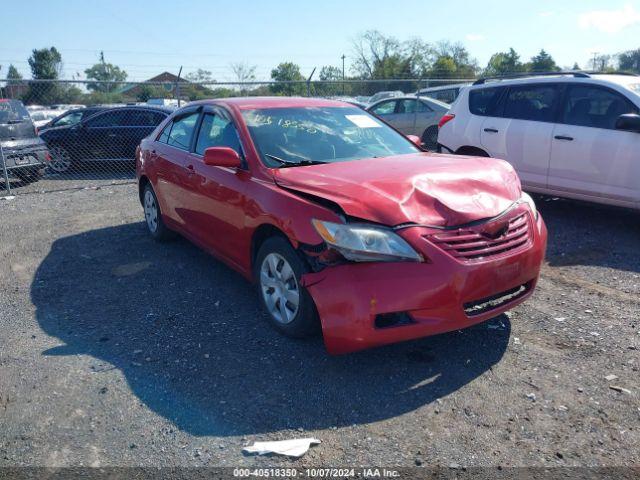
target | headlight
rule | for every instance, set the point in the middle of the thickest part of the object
(362, 243)
(532, 205)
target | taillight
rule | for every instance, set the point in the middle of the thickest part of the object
(447, 117)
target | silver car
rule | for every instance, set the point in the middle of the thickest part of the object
(412, 116)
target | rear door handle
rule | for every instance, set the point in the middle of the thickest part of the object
(563, 137)
(112, 135)
(190, 169)
(491, 130)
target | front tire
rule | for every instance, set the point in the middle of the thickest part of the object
(153, 216)
(278, 270)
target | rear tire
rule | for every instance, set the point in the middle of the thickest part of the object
(60, 159)
(153, 216)
(278, 270)
(430, 138)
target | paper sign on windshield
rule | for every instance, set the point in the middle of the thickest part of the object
(363, 121)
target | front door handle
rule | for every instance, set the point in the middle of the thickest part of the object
(491, 130)
(190, 169)
(563, 137)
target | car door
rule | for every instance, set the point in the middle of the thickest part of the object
(589, 156)
(404, 118)
(522, 130)
(426, 116)
(96, 139)
(217, 207)
(138, 125)
(174, 177)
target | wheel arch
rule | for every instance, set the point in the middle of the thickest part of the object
(472, 151)
(142, 183)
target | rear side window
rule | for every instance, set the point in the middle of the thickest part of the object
(182, 131)
(145, 118)
(483, 101)
(531, 102)
(589, 106)
(114, 118)
(446, 96)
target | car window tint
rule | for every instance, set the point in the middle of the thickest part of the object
(531, 102)
(589, 106)
(385, 108)
(406, 106)
(447, 96)
(483, 101)
(217, 131)
(114, 118)
(423, 107)
(182, 131)
(164, 136)
(70, 119)
(144, 118)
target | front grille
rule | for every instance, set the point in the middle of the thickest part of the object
(469, 245)
(485, 305)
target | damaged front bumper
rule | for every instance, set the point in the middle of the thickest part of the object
(363, 305)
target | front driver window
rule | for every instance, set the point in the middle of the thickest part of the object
(216, 131)
(595, 107)
(385, 108)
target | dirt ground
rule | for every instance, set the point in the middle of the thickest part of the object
(119, 351)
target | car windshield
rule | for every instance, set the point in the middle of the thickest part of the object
(286, 136)
(12, 111)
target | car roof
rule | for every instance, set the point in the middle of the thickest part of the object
(424, 98)
(445, 87)
(568, 77)
(251, 103)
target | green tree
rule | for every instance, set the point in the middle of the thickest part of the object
(287, 72)
(328, 74)
(103, 73)
(199, 76)
(13, 76)
(146, 92)
(504, 63)
(45, 64)
(629, 61)
(543, 62)
(575, 66)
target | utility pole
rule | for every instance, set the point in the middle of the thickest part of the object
(595, 57)
(343, 84)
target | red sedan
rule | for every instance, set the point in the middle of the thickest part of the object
(342, 222)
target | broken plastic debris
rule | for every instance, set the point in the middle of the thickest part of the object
(292, 448)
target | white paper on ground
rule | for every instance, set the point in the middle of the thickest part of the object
(293, 448)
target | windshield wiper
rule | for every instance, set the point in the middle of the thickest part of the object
(293, 162)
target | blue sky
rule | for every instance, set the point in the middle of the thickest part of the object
(147, 37)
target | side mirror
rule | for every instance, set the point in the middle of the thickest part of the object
(222, 157)
(415, 139)
(629, 122)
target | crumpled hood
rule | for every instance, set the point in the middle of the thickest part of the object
(423, 188)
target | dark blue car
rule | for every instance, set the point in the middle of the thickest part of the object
(109, 135)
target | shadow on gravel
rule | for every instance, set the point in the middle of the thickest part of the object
(588, 234)
(189, 336)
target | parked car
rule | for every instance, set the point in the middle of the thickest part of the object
(24, 154)
(42, 117)
(412, 116)
(574, 135)
(385, 94)
(444, 93)
(108, 135)
(70, 117)
(340, 220)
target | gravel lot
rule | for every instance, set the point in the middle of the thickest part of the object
(118, 351)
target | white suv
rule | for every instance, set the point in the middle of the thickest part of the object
(573, 135)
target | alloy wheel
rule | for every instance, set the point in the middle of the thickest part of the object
(60, 161)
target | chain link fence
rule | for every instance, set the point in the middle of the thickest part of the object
(57, 135)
